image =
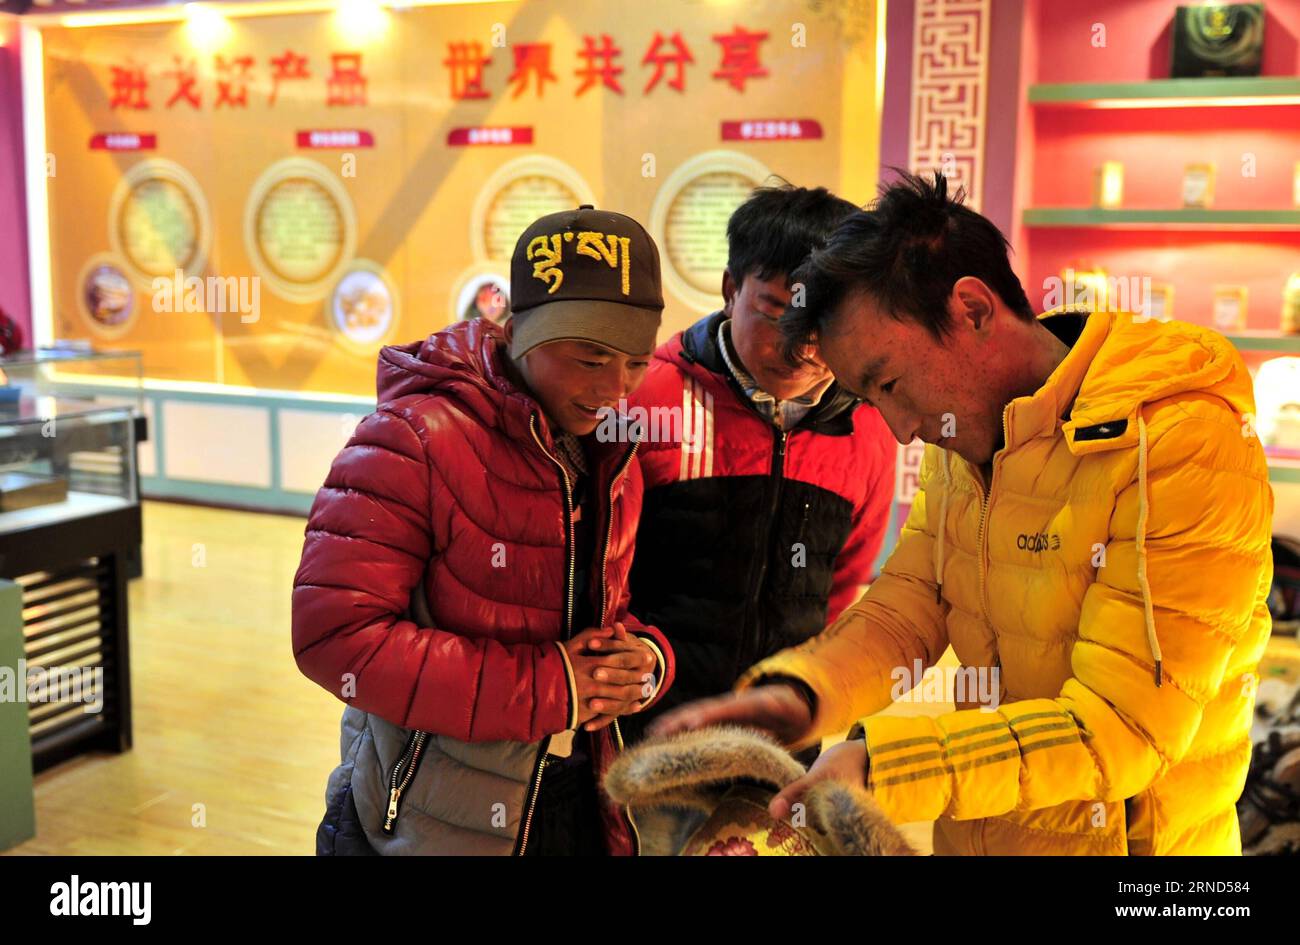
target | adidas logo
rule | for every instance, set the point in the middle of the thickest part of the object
(1039, 541)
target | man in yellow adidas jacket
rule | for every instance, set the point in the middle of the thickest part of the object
(1091, 533)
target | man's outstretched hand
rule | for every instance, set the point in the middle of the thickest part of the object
(845, 762)
(782, 711)
(775, 708)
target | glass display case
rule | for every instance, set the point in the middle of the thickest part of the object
(70, 532)
(73, 371)
(71, 379)
(62, 458)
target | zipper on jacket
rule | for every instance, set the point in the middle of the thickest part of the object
(540, 765)
(777, 480)
(403, 772)
(627, 809)
(609, 529)
(980, 536)
(568, 510)
(604, 558)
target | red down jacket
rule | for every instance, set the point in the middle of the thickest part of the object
(449, 483)
(728, 501)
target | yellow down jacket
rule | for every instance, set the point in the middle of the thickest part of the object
(1111, 583)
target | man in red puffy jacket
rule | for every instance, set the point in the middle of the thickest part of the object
(463, 585)
(764, 517)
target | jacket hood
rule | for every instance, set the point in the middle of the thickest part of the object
(464, 362)
(447, 360)
(1144, 361)
(1122, 361)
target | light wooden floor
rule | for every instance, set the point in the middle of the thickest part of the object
(223, 718)
(232, 744)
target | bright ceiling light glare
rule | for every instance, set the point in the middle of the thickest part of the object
(361, 21)
(206, 28)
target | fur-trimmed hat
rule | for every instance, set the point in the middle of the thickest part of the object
(719, 781)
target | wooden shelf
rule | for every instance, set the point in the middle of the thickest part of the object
(1265, 341)
(1170, 93)
(1177, 218)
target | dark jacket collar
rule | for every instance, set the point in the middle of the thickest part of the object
(833, 414)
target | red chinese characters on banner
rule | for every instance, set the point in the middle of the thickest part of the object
(346, 85)
(531, 59)
(606, 72)
(680, 57)
(286, 67)
(232, 81)
(466, 62)
(665, 60)
(187, 80)
(128, 87)
(740, 57)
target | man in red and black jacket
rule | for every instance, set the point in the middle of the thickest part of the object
(764, 513)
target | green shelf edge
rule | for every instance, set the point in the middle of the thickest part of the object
(1188, 216)
(1283, 473)
(1227, 87)
(1265, 342)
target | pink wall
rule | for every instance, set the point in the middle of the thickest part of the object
(15, 292)
(1024, 131)
(1059, 149)
(1155, 144)
(1005, 26)
(1138, 37)
(897, 105)
(1192, 262)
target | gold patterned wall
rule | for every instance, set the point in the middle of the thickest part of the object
(264, 201)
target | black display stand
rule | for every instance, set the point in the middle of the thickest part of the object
(135, 558)
(89, 552)
(73, 567)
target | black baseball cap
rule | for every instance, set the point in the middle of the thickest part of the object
(586, 274)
